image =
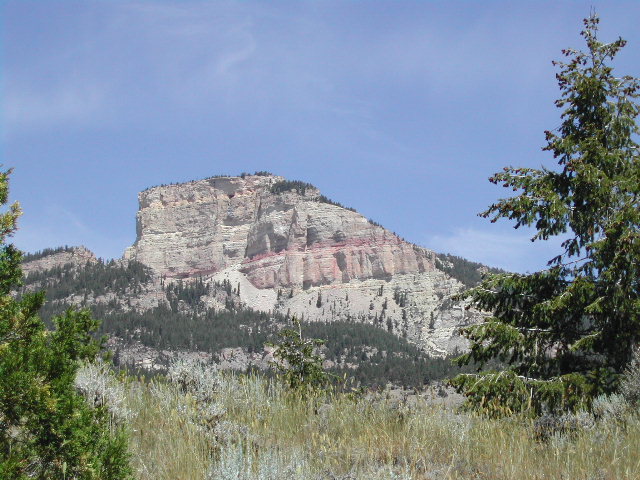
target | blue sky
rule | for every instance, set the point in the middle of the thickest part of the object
(399, 109)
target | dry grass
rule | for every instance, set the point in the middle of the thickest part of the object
(335, 436)
(164, 443)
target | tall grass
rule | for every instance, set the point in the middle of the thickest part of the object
(260, 430)
(165, 441)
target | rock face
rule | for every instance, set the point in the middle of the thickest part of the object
(287, 239)
(291, 250)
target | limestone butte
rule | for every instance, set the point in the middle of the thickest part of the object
(289, 249)
(285, 239)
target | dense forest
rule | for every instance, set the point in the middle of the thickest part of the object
(371, 355)
(30, 257)
(93, 279)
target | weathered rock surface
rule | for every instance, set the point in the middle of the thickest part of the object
(280, 240)
(76, 256)
(294, 252)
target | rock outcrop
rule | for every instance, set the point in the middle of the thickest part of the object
(286, 239)
(76, 256)
(289, 249)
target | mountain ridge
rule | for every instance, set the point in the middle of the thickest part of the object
(285, 249)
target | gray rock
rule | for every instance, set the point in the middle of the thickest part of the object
(328, 263)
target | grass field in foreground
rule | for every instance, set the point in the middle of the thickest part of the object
(199, 424)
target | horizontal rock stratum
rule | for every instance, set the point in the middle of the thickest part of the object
(287, 239)
(290, 249)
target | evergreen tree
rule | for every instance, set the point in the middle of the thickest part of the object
(47, 430)
(567, 332)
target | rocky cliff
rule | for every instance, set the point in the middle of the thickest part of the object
(286, 239)
(287, 248)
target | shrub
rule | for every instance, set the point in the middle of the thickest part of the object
(568, 425)
(202, 382)
(237, 462)
(612, 407)
(97, 383)
(630, 384)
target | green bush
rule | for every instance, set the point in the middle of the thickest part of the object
(299, 364)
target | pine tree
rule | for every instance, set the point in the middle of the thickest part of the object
(567, 332)
(47, 429)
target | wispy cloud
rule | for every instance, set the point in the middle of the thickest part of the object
(39, 107)
(141, 57)
(234, 57)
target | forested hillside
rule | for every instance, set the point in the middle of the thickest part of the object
(371, 355)
(467, 272)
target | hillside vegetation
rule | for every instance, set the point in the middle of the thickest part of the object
(370, 355)
(201, 424)
(465, 271)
